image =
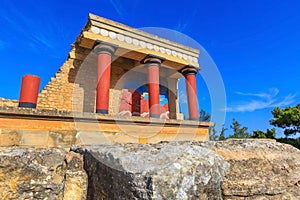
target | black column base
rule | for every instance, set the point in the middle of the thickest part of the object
(155, 115)
(27, 105)
(102, 111)
(194, 119)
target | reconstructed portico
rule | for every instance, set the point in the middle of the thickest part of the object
(122, 83)
(150, 55)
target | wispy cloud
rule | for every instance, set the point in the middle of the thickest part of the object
(258, 101)
(118, 7)
(184, 23)
(181, 26)
(39, 36)
(272, 93)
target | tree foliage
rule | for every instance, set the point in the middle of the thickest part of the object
(239, 131)
(287, 118)
(292, 141)
(222, 133)
(270, 133)
(213, 133)
(204, 116)
(258, 134)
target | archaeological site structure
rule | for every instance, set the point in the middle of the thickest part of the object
(118, 84)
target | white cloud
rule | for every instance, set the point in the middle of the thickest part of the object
(260, 101)
(118, 7)
(272, 93)
(37, 35)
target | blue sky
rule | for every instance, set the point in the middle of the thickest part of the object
(254, 45)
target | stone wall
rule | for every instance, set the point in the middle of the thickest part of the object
(8, 103)
(61, 92)
(54, 128)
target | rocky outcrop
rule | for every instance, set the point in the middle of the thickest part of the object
(31, 173)
(232, 169)
(259, 169)
(160, 171)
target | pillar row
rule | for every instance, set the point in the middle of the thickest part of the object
(189, 72)
(153, 63)
(104, 53)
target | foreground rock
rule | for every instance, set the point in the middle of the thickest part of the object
(259, 169)
(161, 171)
(233, 169)
(31, 173)
(253, 169)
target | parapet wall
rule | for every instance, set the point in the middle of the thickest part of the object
(8, 103)
(49, 128)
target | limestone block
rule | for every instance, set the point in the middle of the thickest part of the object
(75, 178)
(9, 138)
(162, 171)
(31, 173)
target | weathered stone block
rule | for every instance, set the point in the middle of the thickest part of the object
(161, 171)
(31, 173)
(9, 138)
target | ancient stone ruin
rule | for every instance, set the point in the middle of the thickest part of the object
(118, 84)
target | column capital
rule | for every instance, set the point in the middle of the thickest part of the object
(153, 59)
(189, 69)
(104, 47)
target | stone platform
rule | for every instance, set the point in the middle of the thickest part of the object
(44, 128)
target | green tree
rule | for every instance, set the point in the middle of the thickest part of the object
(259, 134)
(213, 133)
(239, 131)
(270, 133)
(287, 118)
(292, 141)
(204, 116)
(222, 133)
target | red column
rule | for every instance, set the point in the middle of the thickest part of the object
(136, 103)
(153, 90)
(189, 73)
(29, 91)
(105, 52)
(153, 63)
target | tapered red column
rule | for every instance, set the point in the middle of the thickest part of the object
(29, 91)
(153, 63)
(153, 89)
(189, 73)
(104, 52)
